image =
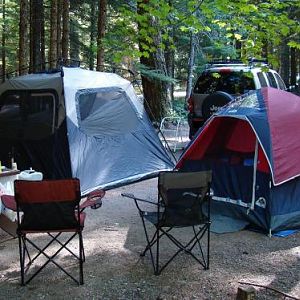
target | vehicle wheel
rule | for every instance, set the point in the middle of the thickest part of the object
(194, 126)
(192, 132)
(213, 102)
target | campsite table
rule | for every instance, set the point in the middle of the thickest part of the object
(7, 179)
(7, 217)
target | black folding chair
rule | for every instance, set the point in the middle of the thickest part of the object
(51, 207)
(183, 201)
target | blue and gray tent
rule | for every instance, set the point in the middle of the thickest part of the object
(79, 123)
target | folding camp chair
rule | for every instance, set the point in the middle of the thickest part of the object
(183, 201)
(51, 207)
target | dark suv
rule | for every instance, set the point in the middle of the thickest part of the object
(220, 83)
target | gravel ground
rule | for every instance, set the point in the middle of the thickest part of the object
(113, 238)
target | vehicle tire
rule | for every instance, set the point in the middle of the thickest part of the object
(213, 102)
(192, 132)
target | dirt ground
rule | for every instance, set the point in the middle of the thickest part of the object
(113, 238)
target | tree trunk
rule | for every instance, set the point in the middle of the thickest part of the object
(3, 52)
(43, 43)
(59, 27)
(189, 84)
(285, 63)
(298, 66)
(66, 29)
(36, 11)
(93, 30)
(293, 67)
(156, 92)
(53, 34)
(152, 91)
(23, 38)
(101, 33)
(170, 63)
(74, 41)
(265, 49)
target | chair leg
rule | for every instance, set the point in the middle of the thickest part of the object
(201, 232)
(153, 241)
(50, 258)
(187, 248)
(208, 245)
(81, 258)
(55, 238)
(156, 270)
(154, 260)
(22, 259)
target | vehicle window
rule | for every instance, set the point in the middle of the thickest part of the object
(271, 79)
(262, 79)
(25, 113)
(280, 82)
(229, 82)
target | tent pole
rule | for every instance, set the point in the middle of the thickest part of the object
(254, 176)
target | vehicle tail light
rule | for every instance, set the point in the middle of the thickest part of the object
(190, 105)
(225, 70)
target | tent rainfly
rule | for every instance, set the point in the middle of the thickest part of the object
(253, 145)
(79, 123)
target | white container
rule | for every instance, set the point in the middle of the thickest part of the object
(30, 175)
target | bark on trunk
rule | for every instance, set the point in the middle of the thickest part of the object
(36, 35)
(3, 52)
(53, 34)
(101, 34)
(65, 30)
(156, 92)
(152, 90)
(285, 63)
(293, 67)
(59, 27)
(74, 41)
(190, 70)
(170, 63)
(43, 43)
(93, 31)
(23, 38)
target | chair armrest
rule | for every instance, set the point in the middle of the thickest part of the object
(93, 200)
(131, 196)
(191, 194)
(9, 202)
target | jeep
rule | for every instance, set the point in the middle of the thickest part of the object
(221, 82)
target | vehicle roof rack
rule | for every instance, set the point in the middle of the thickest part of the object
(251, 62)
(255, 61)
(224, 62)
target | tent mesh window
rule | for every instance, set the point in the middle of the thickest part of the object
(28, 115)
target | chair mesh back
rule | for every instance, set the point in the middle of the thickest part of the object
(47, 204)
(183, 195)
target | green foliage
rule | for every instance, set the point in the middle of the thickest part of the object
(154, 74)
(11, 33)
(179, 109)
(218, 26)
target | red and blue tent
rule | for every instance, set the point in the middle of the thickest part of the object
(252, 146)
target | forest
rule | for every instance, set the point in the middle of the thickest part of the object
(163, 43)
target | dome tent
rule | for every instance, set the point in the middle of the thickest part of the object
(79, 123)
(252, 147)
